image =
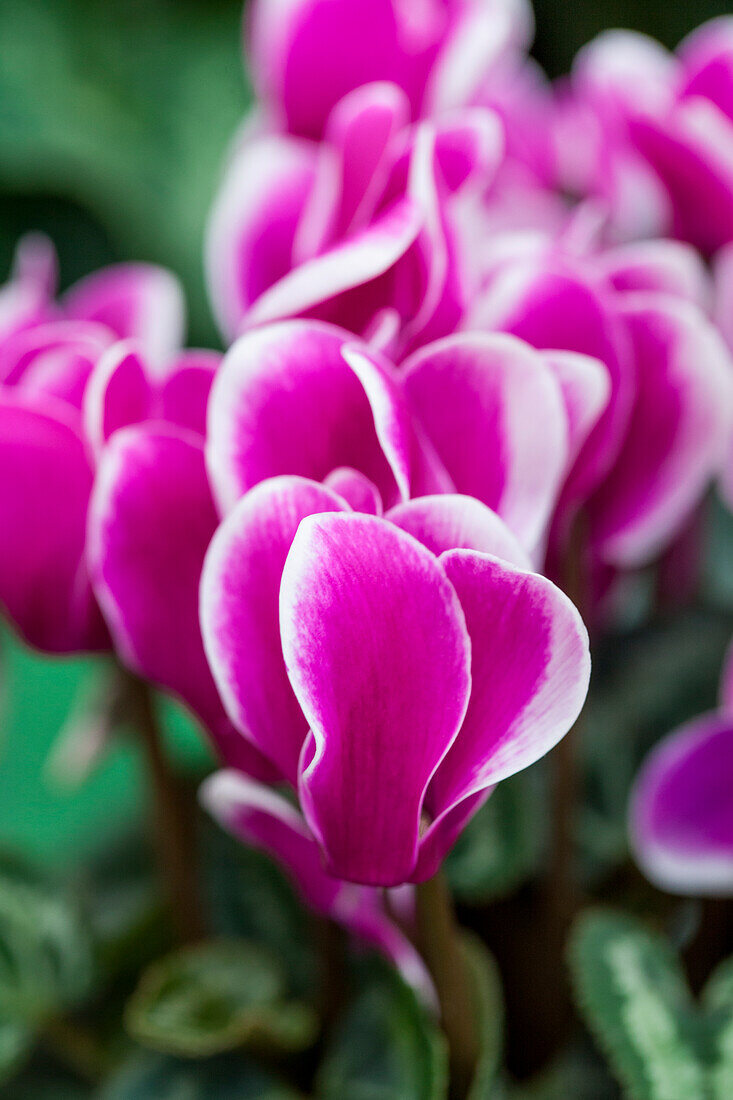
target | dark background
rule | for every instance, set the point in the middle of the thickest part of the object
(114, 118)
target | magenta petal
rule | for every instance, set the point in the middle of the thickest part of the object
(586, 388)
(453, 522)
(307, 54)
(494, 413)
(360, 259)
(264, 819)
(381, 722)
(136, 301)
(681, 813)
(240, 589)
(691, 150)
(118, 394)
(356, 489)
(150, 522)
(46, 477)
(552, 307)
(249, 241)
(185, 389)
(669, 267)
(296, 398)
(354, 164)
(679, 427)
(82, 340)
(530, 668)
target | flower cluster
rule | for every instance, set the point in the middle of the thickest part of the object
(347, 543)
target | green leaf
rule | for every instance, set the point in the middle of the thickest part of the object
(250, 898)
(645, 683)
(385, 1047)
(634, 998)
(157, 1077)
(489, 1002)
(503, 843)
(15, 1043)
(46, 951)
(717, 999)
(215, 997)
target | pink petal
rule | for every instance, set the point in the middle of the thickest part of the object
(264, 819)
(381, 723)
(452, 522)
(46, 480)
(184, 392)
(252, 226)
(353, 167)
(359, 260)
(493, 411)
(586, 388)
(150, 523)
(118, 394)
(307, 54)
(240, 589)
(669, 267)
(530, 669)
(552, 305)
(677, 434)
(136, 301)
(681, 813)
(78, 340)
(296, 398)
(357, 490)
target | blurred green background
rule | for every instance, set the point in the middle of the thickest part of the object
(114, 119)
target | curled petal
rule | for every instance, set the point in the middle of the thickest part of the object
(692, 150)
(45, 481)
(356, 489)
(678, 431)
(669, 267)
(530, 668)
(118, 394)
(296, 398)
(453, 522)
(151, 519)
(136, 301)
(552, 305)
(249, 239)
(380, 724)
(354, 163)
(586, 388)
(69, 342)
(240, 588)
(481, 35)
(264, 819)
(681, 813)
(307, 54)
(184, 391)
(349, 265)
(494, 414)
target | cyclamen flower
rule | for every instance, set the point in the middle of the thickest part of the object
(47, 357)
(483, 415)
(392, 678)
(681, 809)
(359, 230)
(638, 311)
(305, 55)
(662, 125)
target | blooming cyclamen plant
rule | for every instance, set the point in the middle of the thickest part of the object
(472, 422)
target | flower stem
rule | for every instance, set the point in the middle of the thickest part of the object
(565, 776)
(174, 818)
(438, 940)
